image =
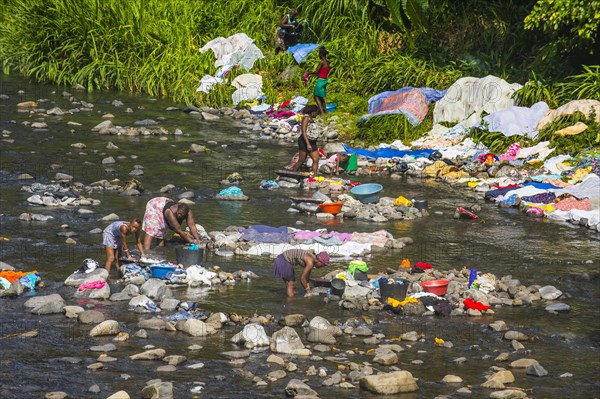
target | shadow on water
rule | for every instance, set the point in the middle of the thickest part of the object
(501, 242)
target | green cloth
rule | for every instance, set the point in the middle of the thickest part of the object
(357, 265)
(321, 87)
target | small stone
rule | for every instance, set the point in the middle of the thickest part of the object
(452, 379)
(516, 335)
(508, 394)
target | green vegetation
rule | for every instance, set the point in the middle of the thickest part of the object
(498, 143)
(151, 46)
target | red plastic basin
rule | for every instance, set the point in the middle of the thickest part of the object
(332, 207)
(437, 287)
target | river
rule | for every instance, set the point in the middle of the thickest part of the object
(503, 242)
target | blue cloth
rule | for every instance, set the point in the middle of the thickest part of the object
(29, 280)
(233, 191)
(499, 191)
(389, 153)
(269, 184)
(269, 234)
(301, 51)
(184, 315)
(542, 186)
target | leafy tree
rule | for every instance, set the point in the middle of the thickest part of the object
(573, 24)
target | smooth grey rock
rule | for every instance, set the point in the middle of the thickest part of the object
(297, 388)
(286, 340)
(47, 304)
(252, 335)
(76, 279)
(107, 327)
(550, 292)
(158, 390)
(389, 383)
(536, 369)
(195, 328)
(558, 307)
(91, 317)
(152, 354)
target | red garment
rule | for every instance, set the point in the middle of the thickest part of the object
(323, 73)
(472, 304)
(423, 266)
(285, 104)
(501, 187)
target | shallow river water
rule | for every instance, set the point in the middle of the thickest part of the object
(503, 242)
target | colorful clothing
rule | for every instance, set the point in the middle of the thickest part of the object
(155, 223)
(321, 88)
(111, 236)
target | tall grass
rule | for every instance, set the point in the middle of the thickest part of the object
(151, 46)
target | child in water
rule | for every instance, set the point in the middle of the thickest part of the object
(115, 241)
(337, 161)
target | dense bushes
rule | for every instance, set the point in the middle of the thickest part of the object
(152, 46)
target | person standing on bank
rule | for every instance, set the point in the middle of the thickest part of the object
(307, 141)
(287, 31)
(321, 73)
(163, 214)
(285, 263)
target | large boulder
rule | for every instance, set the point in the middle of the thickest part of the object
(286, 340)
(90, 317)
(156, 289)
(389, 383)
(550, 292)
(47, 304)
(158, 390)
(322, 331)
(16, 288)
(76, 279)
(93, 293)
(107, 327)
(298, 388)
(252, 335)
(195, 328)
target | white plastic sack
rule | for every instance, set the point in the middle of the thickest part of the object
(469, 97)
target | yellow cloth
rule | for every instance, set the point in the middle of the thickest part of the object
(577, 128)
(402, 201)
(395, 303)
(473, 184)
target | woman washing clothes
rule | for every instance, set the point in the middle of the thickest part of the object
(163, 214)
(114, 239)
(321, 73)
(307, 141)
(285, 263)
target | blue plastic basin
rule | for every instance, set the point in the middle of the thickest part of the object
(161, 271)
(367, 193)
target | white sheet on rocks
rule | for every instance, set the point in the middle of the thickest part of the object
(519, 121)
(469, 97)
(224, 48)
(348, 249)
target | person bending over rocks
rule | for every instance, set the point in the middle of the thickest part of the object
(115, 241)
(284, 267)
(163, 214)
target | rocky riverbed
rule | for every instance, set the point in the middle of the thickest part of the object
(371, 346)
